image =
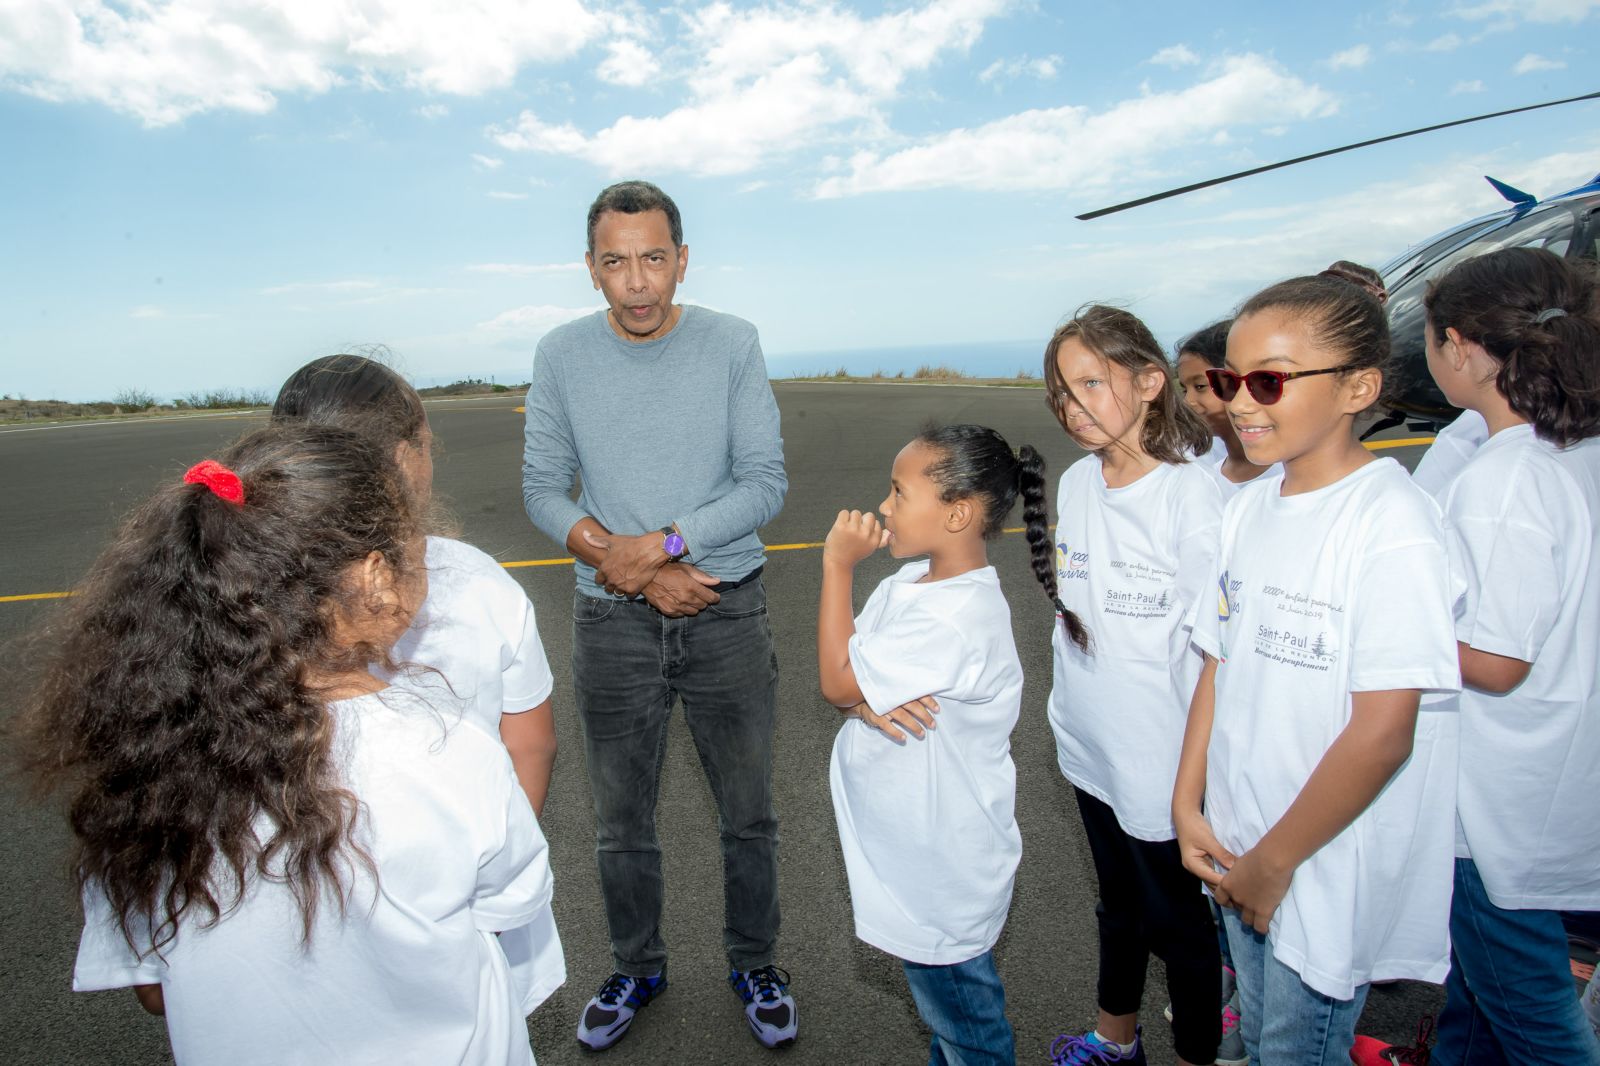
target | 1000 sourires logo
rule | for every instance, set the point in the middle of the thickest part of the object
(1071, 565)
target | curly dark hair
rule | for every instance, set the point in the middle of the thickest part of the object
(1549, 363)
(1172, 433)
(176, 706)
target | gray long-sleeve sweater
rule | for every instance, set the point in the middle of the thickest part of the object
(681, 430)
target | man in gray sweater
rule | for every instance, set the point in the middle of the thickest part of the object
(665, 412)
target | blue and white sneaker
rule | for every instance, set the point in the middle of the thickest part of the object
(1088, 1049)
(606, 1018)
(769, 1007)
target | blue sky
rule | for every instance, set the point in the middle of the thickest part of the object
(206, 193)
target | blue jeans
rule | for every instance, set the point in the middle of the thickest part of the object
(629, 664)
(965, 1006)
(1284, 1021)
(1509, 997)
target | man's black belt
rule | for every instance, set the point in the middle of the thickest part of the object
(728, 586)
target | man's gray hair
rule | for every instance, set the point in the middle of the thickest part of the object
(632, 198)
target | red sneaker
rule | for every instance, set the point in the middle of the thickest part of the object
(1370, 1051)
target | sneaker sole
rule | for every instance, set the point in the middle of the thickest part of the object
(785, 1042)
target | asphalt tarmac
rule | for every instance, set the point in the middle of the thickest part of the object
(65, 488)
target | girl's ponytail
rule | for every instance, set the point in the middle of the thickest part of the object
(1036, 516)
(1538, 315)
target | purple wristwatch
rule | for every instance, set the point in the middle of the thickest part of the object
(673, 545)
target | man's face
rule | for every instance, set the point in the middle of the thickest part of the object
(637, 267)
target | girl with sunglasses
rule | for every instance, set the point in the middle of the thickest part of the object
(1327, 785)
(1137, 532)
(1512, 337)
(1198, 353)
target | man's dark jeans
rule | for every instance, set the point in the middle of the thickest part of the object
(629, 663)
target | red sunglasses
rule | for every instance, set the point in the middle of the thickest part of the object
(1266, 386)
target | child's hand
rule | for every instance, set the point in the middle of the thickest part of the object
(1255, 886)
(1201, 851)
(854, 536)
(914, 716)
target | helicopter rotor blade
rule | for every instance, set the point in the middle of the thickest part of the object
(1318, 155)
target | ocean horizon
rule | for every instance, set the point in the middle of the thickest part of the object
(979, 359)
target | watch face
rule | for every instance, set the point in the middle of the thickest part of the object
(673, 544)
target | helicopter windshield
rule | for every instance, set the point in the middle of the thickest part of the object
(1403, 265)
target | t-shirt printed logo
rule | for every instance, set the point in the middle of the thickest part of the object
(1304, 639)
(1130, 600)
(1226, 605)
(1071, 565)
(1132, 604)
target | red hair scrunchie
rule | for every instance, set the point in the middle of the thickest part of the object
(216, 477)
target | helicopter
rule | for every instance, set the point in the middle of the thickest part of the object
(1566, 224)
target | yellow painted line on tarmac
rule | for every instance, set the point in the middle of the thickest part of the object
(537, 562)
(1403, 442)
(769, 547)
(35, 596)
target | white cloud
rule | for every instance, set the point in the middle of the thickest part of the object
(769, 82)
(487, 162)
(501, 194)
(1177, 55)
(1531, 10)
(1088, 151)
(524, 268)
(1533, 62)
(433, 111)
(1002, 70)
(629, 64)
(1462, 88)
(1351, 58)
(1448, 42)
(162, 62)
(323, 287)
(520, 327)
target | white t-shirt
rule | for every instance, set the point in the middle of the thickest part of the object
(413, 972)
(477, 633)
(928, 828)
(1449, 452)
(1524, 523)
(1131, 563)
(1317, 596)
(1212, 462)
